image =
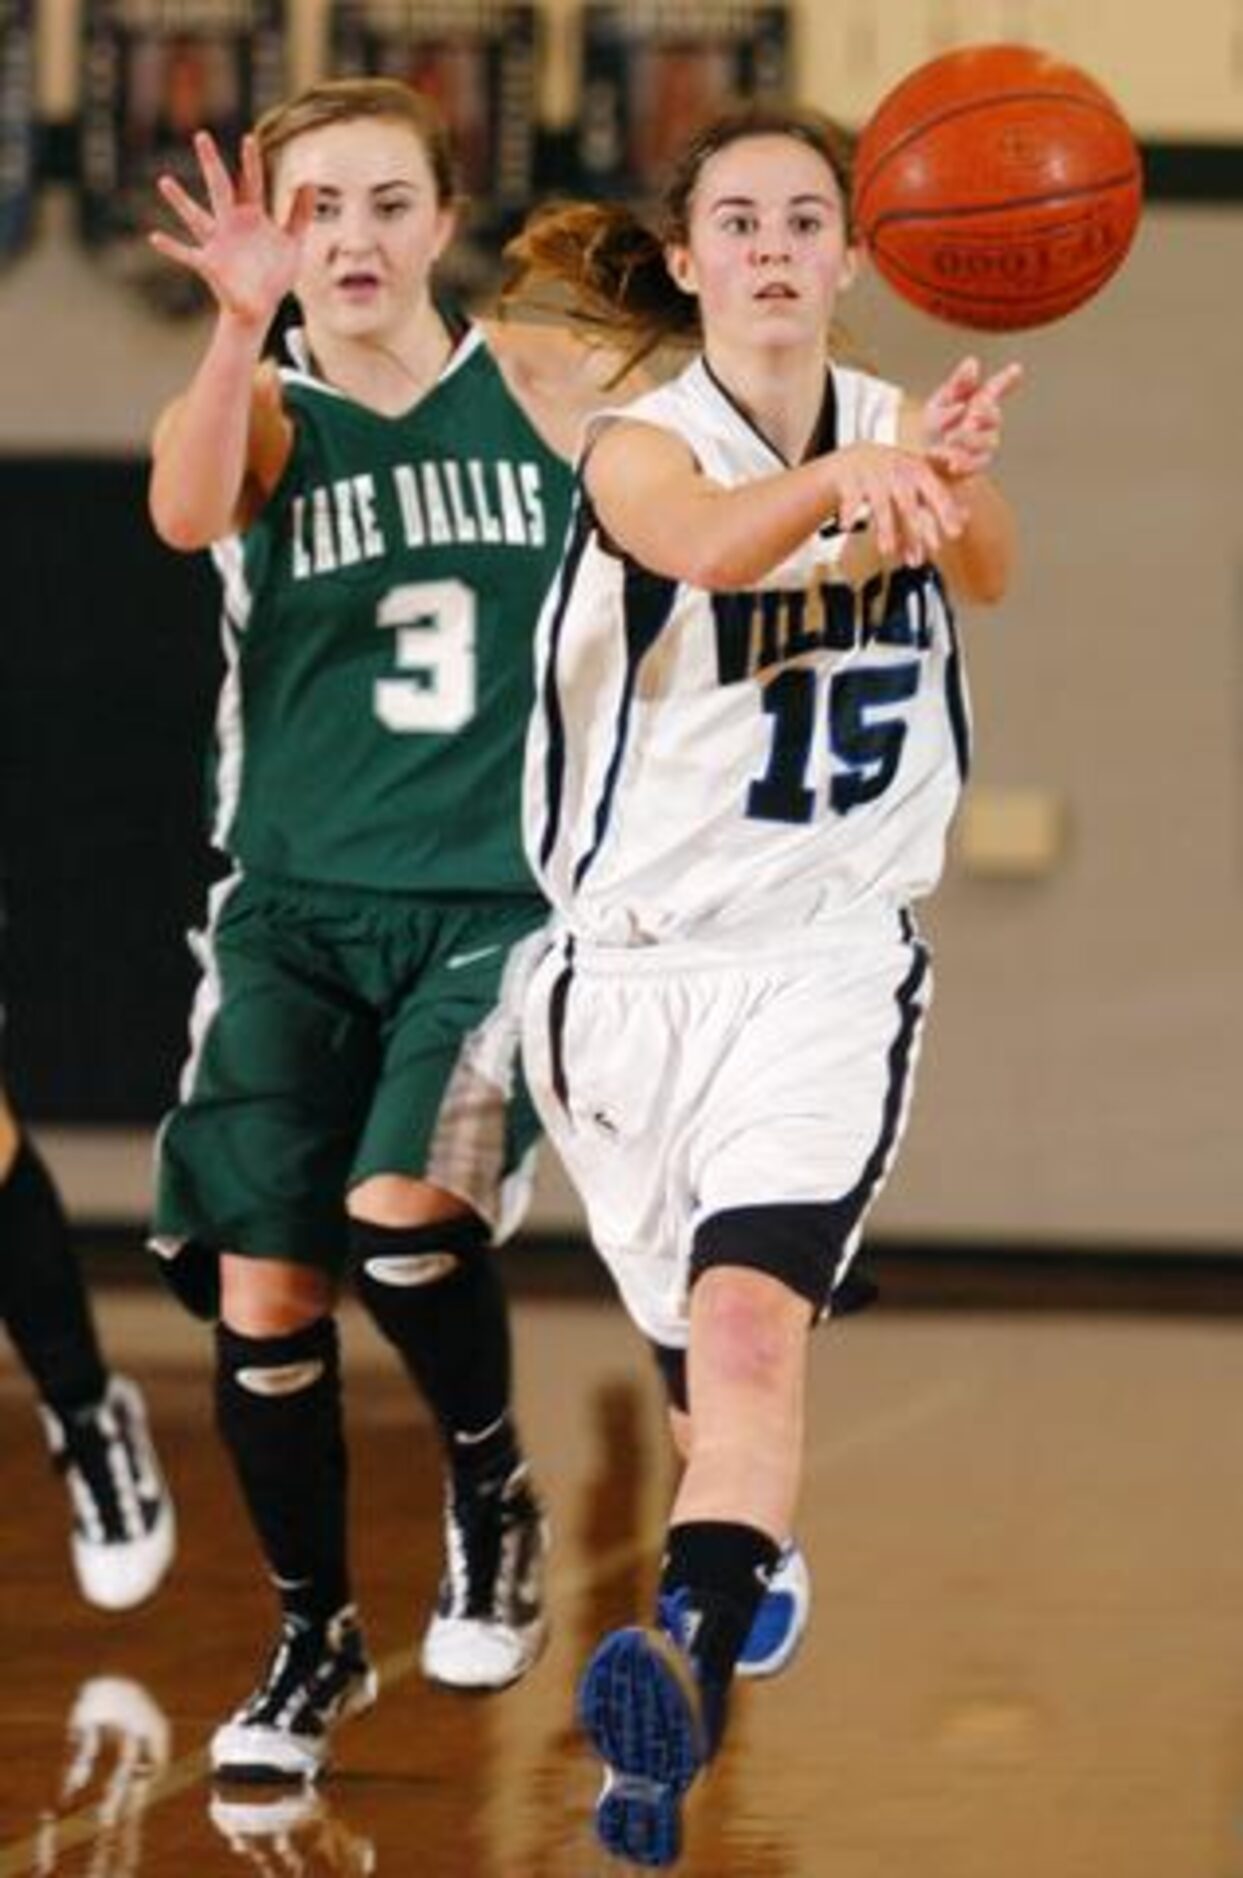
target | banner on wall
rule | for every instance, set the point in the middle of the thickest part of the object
(17, 123)
(478, 60)
(654, 70)
(154, 72)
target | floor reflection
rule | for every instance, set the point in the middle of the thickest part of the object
(295, 1835)
(1026, 1654)
(117, 1740)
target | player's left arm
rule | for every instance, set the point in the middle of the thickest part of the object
(560, 379)
(959, 427)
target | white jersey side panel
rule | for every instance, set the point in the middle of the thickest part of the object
(697, 760)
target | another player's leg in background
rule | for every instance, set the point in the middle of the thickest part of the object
(654, 1701)
(123, 1529)
(278, 1410)
(426, 1273)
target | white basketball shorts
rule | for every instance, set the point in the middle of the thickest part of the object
(720, 1105)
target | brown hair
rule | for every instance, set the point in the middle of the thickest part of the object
(345, 101)
(605, 265)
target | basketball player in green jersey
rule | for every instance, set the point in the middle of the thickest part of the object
(386, 512)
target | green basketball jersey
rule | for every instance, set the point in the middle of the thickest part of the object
(378, 625)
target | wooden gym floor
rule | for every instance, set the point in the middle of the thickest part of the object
(1026, 1528)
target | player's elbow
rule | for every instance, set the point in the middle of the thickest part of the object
(980, 564)
(718, 567)
(176, 523)
(986, 584)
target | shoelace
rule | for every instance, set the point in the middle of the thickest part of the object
(486, 1534)
(102, 1477)
(306, 1674)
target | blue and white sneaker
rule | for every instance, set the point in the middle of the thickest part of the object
(781, 1620)
(644, 1712)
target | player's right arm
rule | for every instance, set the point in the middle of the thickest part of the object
(653, 499)
(219, 448)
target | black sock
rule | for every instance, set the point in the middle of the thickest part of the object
(720, 1571)
(278, 1409)
(43, 1298)
(451, 1332)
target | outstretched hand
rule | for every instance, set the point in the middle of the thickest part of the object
(912, 511)
(246, 257)
(961, 420)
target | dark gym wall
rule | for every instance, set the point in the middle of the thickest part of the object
(108, 665)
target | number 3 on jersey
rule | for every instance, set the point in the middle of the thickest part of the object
(865, 738)
(434, 621)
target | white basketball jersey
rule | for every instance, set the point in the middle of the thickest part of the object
(699, 761)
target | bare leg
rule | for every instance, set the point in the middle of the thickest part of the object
(746, 1372)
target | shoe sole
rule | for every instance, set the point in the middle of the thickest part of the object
(640, 1707)
(119, 1575)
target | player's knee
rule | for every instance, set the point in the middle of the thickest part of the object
(745, 1326)
(264, 1297)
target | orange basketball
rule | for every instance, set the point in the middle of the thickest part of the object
(997, 187)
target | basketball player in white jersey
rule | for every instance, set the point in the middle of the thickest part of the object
(751, 730)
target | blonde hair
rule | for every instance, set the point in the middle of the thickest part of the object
(605, 265)
(346, 101)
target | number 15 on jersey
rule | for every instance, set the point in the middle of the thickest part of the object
(864, 726)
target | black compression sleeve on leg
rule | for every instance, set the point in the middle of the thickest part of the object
(721, 1569)
(278, 1409)
(43, 1297)
(435, 1294)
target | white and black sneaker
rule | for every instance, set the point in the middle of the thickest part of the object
(124, 1531)
(489, 1624)
(318, 1676)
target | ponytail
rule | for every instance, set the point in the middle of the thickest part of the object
(603, 269)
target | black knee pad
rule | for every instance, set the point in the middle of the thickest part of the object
(392, 1262)
(191, 1270)
(266, 1368)
(433, 1292)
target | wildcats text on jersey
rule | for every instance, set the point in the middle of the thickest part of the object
(493, 502)
(756, 630)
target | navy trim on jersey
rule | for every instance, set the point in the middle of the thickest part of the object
(647, 601)
(823, 437)
(956, 690)
(581, 525)
(558, 1004)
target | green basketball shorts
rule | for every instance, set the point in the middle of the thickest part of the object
(338, 1034)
